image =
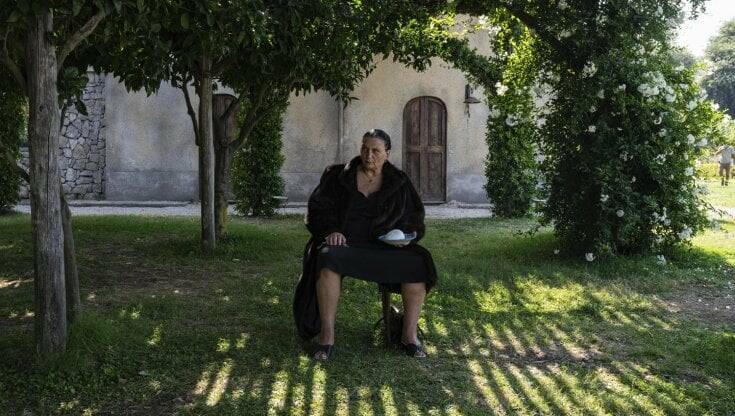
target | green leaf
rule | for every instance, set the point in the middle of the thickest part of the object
(76, 7)
(185, 21)
(14, 17)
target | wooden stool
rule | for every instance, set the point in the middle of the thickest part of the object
(385, 293)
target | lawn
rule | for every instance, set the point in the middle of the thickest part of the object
(510, 329)
(722, 196)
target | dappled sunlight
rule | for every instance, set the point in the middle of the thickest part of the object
(527, 388)
(504, 336)
(612, 383)
(10, 283)
(278, 392)
(364, 402)
(219, 385)
(155, 337)
(342, 399)
(317, 393)
(538, 296)
(242, 341)
(637, 376)
(204, 379)
(387, 400)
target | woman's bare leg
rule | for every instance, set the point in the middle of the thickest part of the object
(327, 291)
(413, 295)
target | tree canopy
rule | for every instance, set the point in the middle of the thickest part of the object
(720, 81)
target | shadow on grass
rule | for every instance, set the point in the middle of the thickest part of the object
(512, 329)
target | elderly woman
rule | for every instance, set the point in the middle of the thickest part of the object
(354, 205)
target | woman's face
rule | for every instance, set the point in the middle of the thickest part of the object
(373, 153)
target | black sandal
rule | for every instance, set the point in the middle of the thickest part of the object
(319, 349)
(414, 350)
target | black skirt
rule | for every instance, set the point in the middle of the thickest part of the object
(369, 259)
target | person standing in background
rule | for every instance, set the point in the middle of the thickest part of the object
(726, 152)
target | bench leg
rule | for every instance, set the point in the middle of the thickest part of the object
(385, 298)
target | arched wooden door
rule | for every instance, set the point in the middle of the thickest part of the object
(425, 147)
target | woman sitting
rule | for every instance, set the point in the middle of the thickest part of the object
(354, 205)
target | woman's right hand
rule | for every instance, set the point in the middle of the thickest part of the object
(336, 239)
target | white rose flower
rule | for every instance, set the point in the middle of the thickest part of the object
(658, 120)
(562, 5)
(632, 179)
(620, 213)
(589, 70)
(670, 98)
(511, 120)
(592, 129)
(702, 143)
(556, 251)
(660, 259)
(589, 256)
(565, 34)
(663, 133)
(593, 109)
(685, 234)
(689, 171)
(604, 197)
(500, 88)
(691, 139)
(622, 87)
(494, 112)
(541, 122)
(691, 105)
(601, 94)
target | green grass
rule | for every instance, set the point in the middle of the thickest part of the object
(722, 196)
(511, 328)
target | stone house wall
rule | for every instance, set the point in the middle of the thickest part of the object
(82, 152)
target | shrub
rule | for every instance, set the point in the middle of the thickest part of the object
(255, 168)
(622, 138)
(510, 167)
(708, 170)
(12, 132)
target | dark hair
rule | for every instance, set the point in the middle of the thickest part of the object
(378, 134)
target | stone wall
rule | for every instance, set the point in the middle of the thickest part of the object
(82, 146)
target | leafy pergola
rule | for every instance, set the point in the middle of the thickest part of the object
(619, 106)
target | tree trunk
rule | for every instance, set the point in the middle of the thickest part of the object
(48, 236)
(224, 134)
(206, 154)
(73, 300)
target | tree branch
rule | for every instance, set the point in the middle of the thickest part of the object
(11, 65)
(190, 111)
(230, 109)
(11, 159)
(532, 23)
(251, 118)
(78, 37)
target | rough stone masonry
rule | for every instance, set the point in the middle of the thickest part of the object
(82, 148)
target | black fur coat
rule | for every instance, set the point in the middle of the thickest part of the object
(399, 207)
